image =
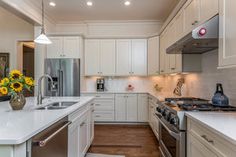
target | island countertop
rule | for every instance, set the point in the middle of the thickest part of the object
(16, 127)
(221, 123)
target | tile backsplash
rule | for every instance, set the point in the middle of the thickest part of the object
(196, 84)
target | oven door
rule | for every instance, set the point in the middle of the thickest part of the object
(172, 143)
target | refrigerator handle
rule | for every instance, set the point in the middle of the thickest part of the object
(62, 79)
(60, 82)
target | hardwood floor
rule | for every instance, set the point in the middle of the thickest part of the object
(128, 140)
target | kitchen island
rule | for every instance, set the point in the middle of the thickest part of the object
(211, 134)
(18, 127)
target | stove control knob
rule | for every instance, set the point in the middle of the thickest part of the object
(174, 120)
(158, 109)
(163, 112)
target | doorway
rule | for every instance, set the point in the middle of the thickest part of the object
(27, 61)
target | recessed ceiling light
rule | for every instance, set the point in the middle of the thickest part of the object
(53, 4)
(127, 3)
(89, 3)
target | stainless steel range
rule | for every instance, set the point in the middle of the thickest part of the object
(172, 129)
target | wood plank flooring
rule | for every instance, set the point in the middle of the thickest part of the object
(128, 140)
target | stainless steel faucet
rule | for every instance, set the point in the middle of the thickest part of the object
(40, 97)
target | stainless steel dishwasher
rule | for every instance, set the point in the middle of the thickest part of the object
(52, 142)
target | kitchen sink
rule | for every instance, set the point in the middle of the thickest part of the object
(57, 105)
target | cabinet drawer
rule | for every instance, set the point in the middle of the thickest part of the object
(210, 139)
(104, 116)
(104, 105)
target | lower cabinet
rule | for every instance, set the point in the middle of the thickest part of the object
(81, 131)
(126, 107)
(142, 107)
(153, 121)
(203, 142)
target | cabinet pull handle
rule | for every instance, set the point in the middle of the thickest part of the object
(98, 96)
(97, 116)
(82, 124)
(162, 71)
(97, 104)
(92, 110)
(207, 139)
(172, 68)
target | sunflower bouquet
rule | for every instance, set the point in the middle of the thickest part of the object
(15, 83)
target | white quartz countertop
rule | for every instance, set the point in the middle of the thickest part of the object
(17, 127)
(221, 123)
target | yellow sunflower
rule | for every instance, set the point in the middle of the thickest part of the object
(4, 81)
(15, 74)
(29, 81)
(4, 90)
(17, 87)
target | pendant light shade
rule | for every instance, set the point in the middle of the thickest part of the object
(42, 38)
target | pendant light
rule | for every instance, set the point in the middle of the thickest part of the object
(42, 38)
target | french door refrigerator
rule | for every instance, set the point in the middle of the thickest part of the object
(66, 76)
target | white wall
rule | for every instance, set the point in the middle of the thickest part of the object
(12, 30)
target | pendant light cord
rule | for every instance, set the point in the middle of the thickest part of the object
(43, 29)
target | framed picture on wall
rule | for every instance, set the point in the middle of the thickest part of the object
(4, 64)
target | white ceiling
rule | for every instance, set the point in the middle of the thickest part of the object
(77, 10)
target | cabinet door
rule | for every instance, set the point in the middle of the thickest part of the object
(163, 52)
(92, 49)
(153, 56)
(91, 127)
(107, 57)
(123, 57)
(227, 47)
(179, 26)
(143, 108)
(71, 47)
(55, 50)
(132, 108)
(83, 136)
(120, 107)
(208, 9)
(196, 149)
(139, 57)
(191, 15)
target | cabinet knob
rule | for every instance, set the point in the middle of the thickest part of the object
(172, 68)
(162, 71)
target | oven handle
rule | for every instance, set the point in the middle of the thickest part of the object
(42, 143)
(172, 133)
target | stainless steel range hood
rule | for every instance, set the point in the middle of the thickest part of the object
(202, 39)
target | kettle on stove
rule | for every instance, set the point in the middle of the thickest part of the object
(219, 99)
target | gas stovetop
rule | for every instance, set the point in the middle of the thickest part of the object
(173, 110)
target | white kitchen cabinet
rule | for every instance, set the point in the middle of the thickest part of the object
(104, 107)
(153, 121)
(139, 57)
(120, 107)
(100, 57)
(197, 149)
(123, 57)
(107, 57)
(205, 142)
(131, 108)
(91, 123)
(131, 58)
(92, 55)
(64, 47)
(227, 47)
(163, 43)
(126, 108)
(153, 55)
(83, 135)
(81, 131)
(191, 15)
(142, 108)
(208, 9)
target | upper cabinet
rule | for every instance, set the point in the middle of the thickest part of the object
(131, 57)
(227, 47)
(208, 9)
(153, 56)
(191, 15)
(100, 57)
(64, 47)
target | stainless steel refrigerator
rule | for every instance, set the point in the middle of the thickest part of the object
(66, 76)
